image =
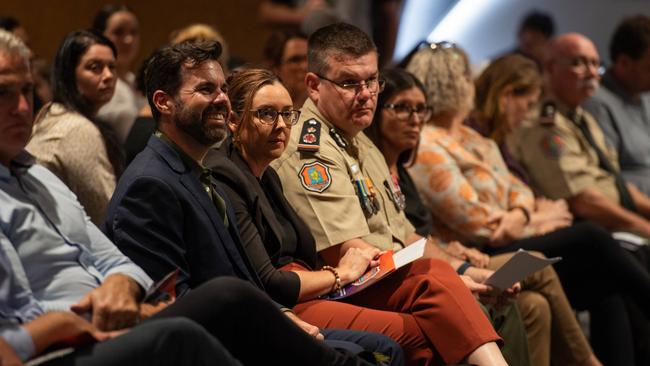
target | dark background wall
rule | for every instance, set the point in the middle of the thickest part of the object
(48, 21)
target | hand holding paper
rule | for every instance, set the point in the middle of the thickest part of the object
(520, 266)
(388, 263)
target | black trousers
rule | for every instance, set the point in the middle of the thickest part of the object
(593, 266)
(600, 276)
(167, 342)
(250, 326)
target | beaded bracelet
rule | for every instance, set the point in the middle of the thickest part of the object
(337, 280)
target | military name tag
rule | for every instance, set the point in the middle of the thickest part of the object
(547, 113)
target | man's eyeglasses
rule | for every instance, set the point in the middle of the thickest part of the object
(269, 116)
(374, 85)
(581, 64)
(404, 111)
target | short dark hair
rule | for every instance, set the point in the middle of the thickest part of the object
(338, 39)
(9, 23)
(631, 37)
(64, 78)
(274, 48)
(538, 21)
(397, 80)
(102, 16)
(163, 71)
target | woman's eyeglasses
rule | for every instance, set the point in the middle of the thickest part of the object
(269, 116)
(404, 111)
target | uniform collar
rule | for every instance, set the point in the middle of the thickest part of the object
(311, 108)
(565, 110)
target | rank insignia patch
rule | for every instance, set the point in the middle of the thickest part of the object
(315, 177)
(552, 146)
(547, 113)
(309, 136)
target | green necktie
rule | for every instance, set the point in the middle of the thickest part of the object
(218, 201)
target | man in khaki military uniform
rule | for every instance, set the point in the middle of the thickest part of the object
(336, 212)
(565, 151)
(332, 174)
(336, 178)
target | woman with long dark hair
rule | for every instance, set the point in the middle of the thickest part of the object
(67, 138)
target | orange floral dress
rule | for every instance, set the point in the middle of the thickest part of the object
(465, 181)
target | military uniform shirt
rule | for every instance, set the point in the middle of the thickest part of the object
(320, 185)
(560, 160)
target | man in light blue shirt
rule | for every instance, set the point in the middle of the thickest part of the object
(622, 104)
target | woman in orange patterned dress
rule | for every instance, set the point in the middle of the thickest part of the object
(402, 111)
(463, 178)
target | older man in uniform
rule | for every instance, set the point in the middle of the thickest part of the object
(566, 155)
(332, 174)
(565, 150)
(622, 105)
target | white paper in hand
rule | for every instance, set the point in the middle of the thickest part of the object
(520, 266)
(409, 254)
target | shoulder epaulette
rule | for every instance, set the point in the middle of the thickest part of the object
(310, 136)
(547, 113)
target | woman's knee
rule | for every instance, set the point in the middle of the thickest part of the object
(230, 291)
(535, 310)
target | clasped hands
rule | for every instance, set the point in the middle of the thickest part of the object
(114, 305)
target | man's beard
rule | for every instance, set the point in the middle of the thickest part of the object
(193, 123)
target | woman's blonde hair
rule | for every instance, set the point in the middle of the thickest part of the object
(443, 68)
(510, 71)
(202, 32)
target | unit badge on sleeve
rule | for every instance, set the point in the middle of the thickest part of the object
(315, 177)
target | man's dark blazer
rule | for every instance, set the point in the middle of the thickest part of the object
(161, 217)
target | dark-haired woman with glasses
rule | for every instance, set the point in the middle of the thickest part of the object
(545, 308)
(283, 251)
